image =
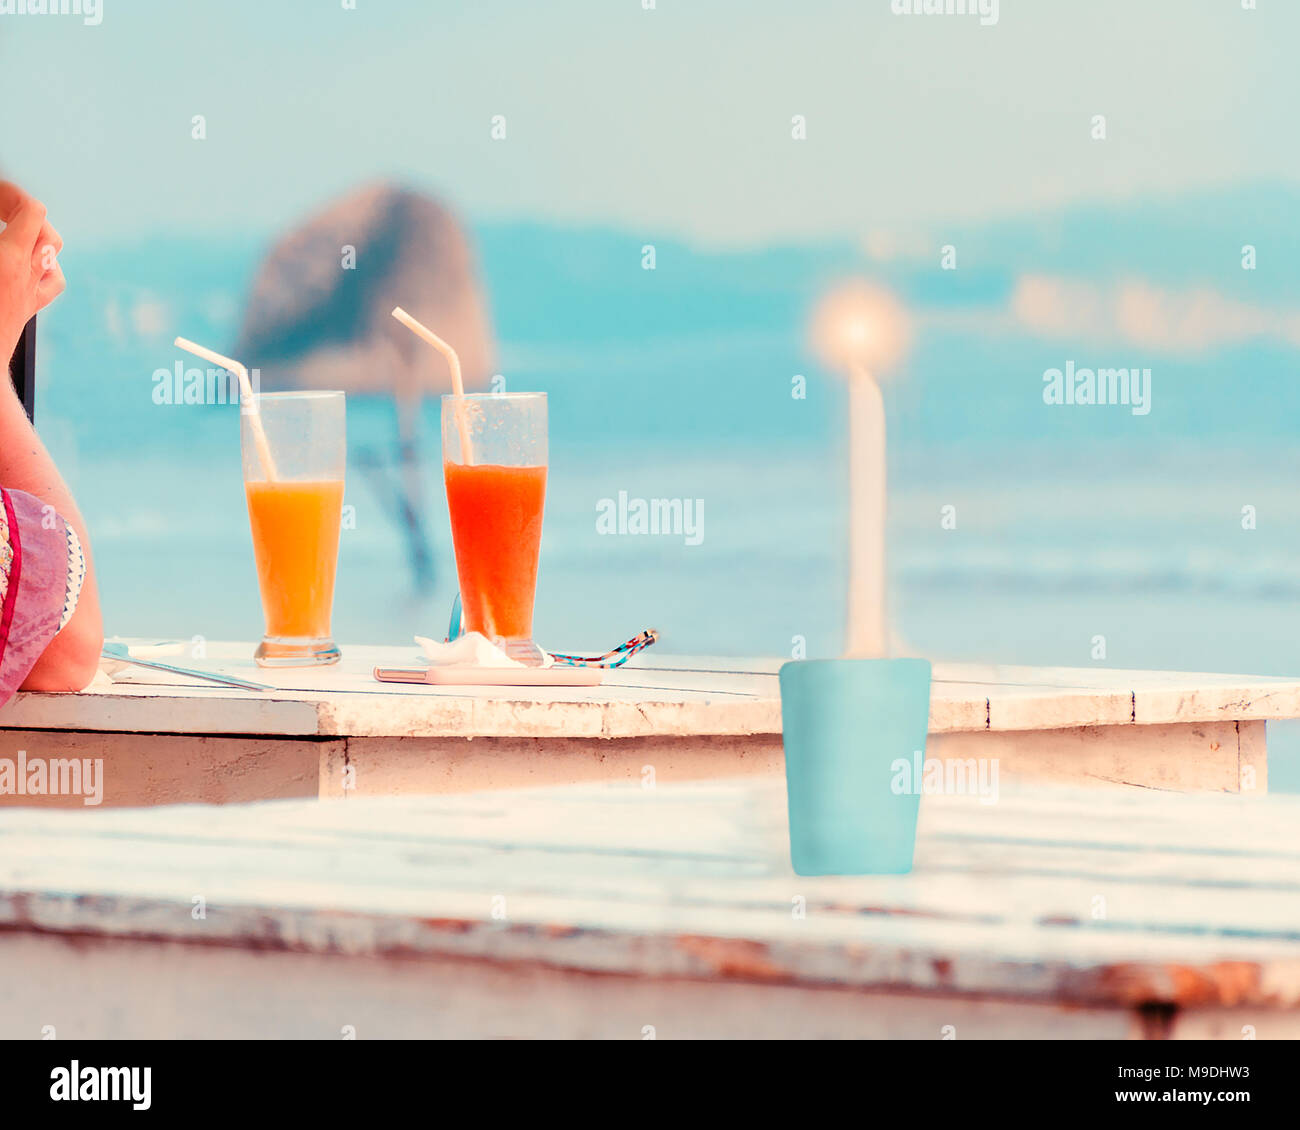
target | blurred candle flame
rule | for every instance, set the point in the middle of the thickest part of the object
(859, 325)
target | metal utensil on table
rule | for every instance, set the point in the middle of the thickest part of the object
(122, 653)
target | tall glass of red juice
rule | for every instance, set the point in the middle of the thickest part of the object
(494, 462)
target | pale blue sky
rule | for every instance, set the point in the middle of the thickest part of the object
(674, 121)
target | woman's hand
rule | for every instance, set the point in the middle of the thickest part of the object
(30, 276)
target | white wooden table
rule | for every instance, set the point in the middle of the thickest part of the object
(335, 732)
(623, 912)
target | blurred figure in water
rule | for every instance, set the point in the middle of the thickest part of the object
(319, 317)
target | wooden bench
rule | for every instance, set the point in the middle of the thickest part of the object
(627, 912)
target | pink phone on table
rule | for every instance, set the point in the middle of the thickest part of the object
(557, 676)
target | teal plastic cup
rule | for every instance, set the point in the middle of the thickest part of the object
(846, 724)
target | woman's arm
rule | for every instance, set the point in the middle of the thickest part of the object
(70, 661)
(30, 279)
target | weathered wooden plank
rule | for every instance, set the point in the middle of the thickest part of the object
(656, 694)
(1040, 708)
(153, 709)
(1099, 677)
(600, 816)
(1061, 884)
(118, 770)
(1156, 697)
(365, 767)
(1192, 757)
(1097, 969)
(957, 707)
(1195, 701)
(1201, 902)
(549, 713)
(91, 990)
(1141, 902)
(1184, 758)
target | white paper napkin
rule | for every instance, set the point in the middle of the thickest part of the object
(473, 649)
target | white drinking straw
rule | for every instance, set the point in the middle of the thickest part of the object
(457, 383)
(246, 389)
(865, 630)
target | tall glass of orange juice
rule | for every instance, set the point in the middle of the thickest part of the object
(494, 462)
(294, 508)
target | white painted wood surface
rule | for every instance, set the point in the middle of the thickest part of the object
(655, 695)
(335, 732)
(1055, 909)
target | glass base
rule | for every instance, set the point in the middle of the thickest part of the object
(283, 651)
(522, 651)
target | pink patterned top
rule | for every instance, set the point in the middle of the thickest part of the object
(42, 569)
